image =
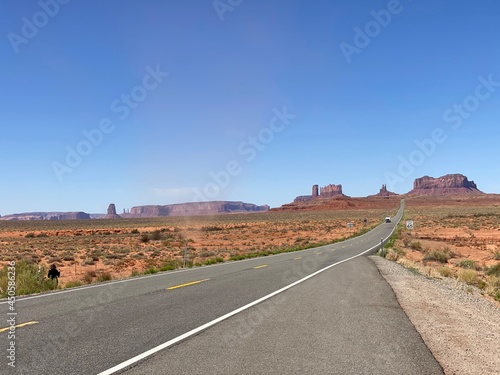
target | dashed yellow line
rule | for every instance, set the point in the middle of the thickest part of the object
(18, 326)
(187, 284)
(262, 266)
(297, 258)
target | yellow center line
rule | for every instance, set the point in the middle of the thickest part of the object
(18, 326)
(262, 266)
(297, 258)
(187, 284)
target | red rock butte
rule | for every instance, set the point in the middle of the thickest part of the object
(450, 184)
(383, 192)
(328, 191)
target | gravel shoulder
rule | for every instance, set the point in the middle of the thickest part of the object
(462, 330)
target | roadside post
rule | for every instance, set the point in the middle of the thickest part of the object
(185, 255)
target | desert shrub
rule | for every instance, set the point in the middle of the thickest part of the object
(105, 276)
(155, 253)
(88, 262)
(30, 235)
(97, 253)
(391, 255)
(441, 256)
(213, 261)
(470, 277)
(493, 286)
(234, 257)
(394, 254)
(134, 273)
(150, 271)
(144, 238)
(30, 278)
(115, 256)
(156, 235)
(445, 272)
(416, 245)
(73, 284)
(68, 257)
(88, 277)
(406, 241)
(399, 251)
(211, 228)
(493, 270)
(390, 242)
(170, 266)
(497, 296)
(467, 263)
(134, 231)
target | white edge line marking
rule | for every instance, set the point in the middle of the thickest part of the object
(203, 327)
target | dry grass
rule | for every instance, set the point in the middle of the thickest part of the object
(458, 242)
(95, 250)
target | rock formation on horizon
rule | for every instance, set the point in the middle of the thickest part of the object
(331, 191)
(450, 184)
(112, 212)
(195, 208)
(383, 192)
(328, 191)
(47, 216)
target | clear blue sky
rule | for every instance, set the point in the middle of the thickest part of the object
(179, 97)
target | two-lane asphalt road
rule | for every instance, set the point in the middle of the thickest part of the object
(95, 329)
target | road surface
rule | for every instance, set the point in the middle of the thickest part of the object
(108, 327)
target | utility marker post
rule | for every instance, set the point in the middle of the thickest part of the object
(185, 255)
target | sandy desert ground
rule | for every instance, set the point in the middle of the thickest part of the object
(457, 237)
(86, 250)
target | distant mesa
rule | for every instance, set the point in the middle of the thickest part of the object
(181, 209)
(450, 184)
(112, 212)
(195, 208)
(329, 191)
(47, 216)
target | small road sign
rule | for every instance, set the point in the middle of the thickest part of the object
(409, 224)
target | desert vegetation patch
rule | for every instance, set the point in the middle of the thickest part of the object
(89, 251)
